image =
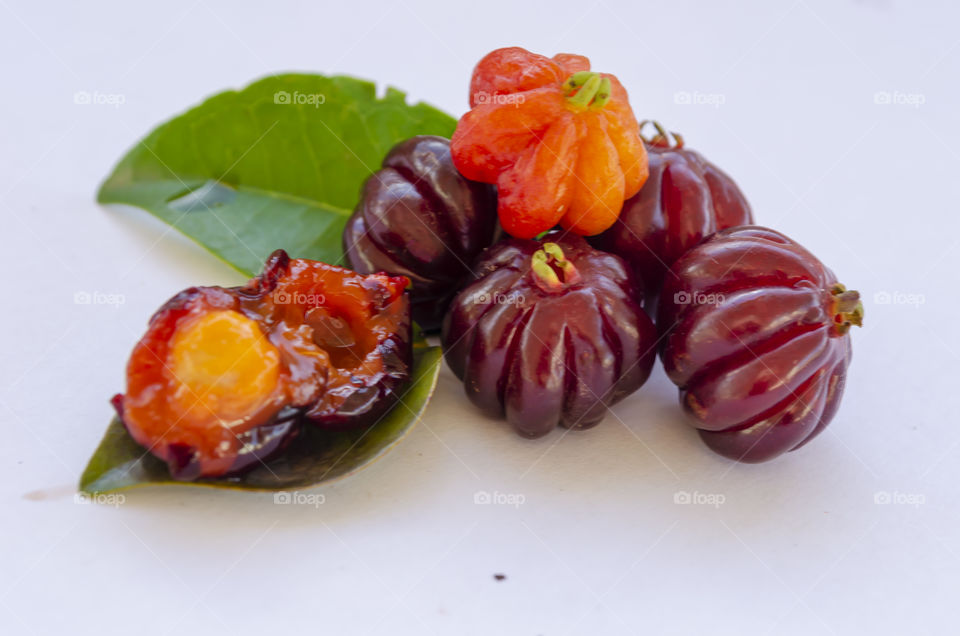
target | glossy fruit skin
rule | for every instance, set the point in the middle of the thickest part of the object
(255, 446)
(362, 381)
(339, 344)
(685, 199)
(561, 143)
(756, 335)
(540, 354)
(418, 217)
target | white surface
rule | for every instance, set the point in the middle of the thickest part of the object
(598, 546)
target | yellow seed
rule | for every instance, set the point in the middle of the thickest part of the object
(224, 365)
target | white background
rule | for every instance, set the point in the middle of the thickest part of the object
(784, 98)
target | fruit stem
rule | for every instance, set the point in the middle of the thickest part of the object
(543, 272)
(662, 138)
(847, 308)
(587, 89)
(551, 268)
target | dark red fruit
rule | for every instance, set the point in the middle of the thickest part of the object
(224, 376)
(757, 340)
(685, 199)
(419, 218)
(549, 333)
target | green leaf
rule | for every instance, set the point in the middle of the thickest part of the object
(316, 457)
(278, 164)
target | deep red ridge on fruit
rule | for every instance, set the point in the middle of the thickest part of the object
(418, 217)
(549, 334)
(756, 336)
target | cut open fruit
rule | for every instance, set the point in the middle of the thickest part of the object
(224, 378)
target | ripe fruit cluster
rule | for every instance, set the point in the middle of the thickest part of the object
(546, 327)
(751, 327)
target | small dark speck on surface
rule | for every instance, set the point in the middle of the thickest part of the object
(500, 577)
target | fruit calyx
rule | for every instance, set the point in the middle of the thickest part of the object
(587, 89)
(847, 308)
(551, 269)
(663, 138)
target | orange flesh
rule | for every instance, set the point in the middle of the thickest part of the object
(224, 368)
(217, 363)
